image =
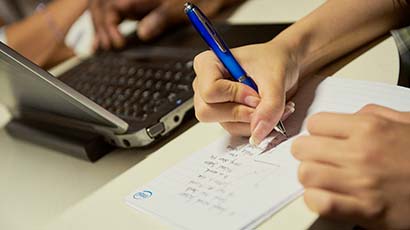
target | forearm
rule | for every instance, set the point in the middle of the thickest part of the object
(35, 37)
(340, 26)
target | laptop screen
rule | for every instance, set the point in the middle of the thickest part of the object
(23, 85)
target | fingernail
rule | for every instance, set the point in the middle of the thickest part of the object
(291, 104)
(290, 109)
(259, 133)
(150, 27)
(252, 101)
(252, 141)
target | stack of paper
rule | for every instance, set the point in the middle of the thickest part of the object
(231, 185)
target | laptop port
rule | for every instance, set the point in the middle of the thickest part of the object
(156, 130)
(126, 143)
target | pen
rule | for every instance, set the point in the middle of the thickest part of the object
(221, 50)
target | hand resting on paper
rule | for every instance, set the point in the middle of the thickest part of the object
(357, 167)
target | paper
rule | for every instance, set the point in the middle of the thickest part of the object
(231, 185)
(221, 186)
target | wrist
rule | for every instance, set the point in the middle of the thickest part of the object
(297, 42)
(284, 54)
(66, 12)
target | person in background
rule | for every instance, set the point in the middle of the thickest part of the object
(155, 17)
(354, 167)
(37, 29)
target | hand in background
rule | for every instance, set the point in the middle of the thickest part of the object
(357, 167)
(239, 109)
(155, 17)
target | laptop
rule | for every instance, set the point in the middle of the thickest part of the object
(132, 97)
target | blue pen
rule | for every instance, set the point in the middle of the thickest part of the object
(221, 50)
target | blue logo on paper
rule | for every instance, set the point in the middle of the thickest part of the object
(142, 195)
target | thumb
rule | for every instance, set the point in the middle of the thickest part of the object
(270, 108)
(159, 19)
(391, 114)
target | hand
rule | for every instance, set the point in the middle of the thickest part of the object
(155, 15)
(357, 167)
(239, 109)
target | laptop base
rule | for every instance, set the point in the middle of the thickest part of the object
(80, 144)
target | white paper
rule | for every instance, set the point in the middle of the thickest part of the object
(231, 185)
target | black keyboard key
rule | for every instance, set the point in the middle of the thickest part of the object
(149, 73)
(131, 81)
(127, 92)
(122, 80)
(178, 76)
(172, 97)
(169, 86)
(123, 70)
(179, 65)
(158, 74)
(140, 82)
(140, 72)
(107, 102)
(189, 65)
(146, 94)
(137, 93)
(158, 85)
(149, 83)
(183, 87)
(168, 76)
(156, 95)
(132, 71)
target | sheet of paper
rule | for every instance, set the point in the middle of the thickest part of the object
(221, 186)
(231, 185)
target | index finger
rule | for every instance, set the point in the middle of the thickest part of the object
(97, 16)
(332, 124)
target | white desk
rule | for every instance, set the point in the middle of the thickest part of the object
(40, 186)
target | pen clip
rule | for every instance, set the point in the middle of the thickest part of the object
(205, 22)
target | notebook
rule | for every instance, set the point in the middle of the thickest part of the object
(232, 185)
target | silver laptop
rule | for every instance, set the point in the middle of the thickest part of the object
(131, 97)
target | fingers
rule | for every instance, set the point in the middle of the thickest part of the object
(334, 205)
(214, 88)
(237, 128)
(168, 14)
(327, 177)
(320, 149)
(101, 36)
(332, 124)
(106, 18)
(270, 109)
(221, 112)
(112, 21)
(289, 109)
(385, 112)
(113, 17)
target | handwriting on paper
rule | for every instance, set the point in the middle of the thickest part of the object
(221, 174)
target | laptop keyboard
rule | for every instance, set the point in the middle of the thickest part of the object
(133, 89)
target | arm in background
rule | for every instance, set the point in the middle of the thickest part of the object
(35, 37)
(155, 17)
(339, 27)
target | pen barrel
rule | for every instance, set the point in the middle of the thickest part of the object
(217, 45)
(233, 67)
(249, 82)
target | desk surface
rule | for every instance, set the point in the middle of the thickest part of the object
(42, 187)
